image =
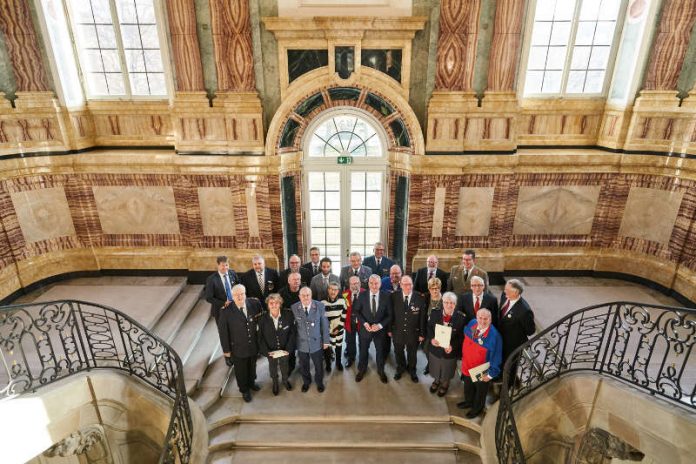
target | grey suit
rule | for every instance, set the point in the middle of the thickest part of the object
(319, 288)
(312, 335)
(364, 273)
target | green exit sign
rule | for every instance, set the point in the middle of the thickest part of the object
(344, 160)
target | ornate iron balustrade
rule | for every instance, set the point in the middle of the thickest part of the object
(41, 343)
(649, 347)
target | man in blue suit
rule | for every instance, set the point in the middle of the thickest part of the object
(312, 337)
(379, 263)
(373, 310)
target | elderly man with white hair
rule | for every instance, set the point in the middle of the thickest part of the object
(373, 311)
(470, 302)
(423, 275)
(312, 337)
(515, 318)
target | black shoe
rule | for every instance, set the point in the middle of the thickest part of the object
(349, 362)
(397, 376)
(473, 414)
(464, 404)
(255, 386)
(247, 397)
(288, 386)
(328, 368)
(434, 386)
(442, 391)
(305, 388)
(276, 388)
(414, 378)
(320, 388)
(360, 376)
(383, 377)
(339, 366)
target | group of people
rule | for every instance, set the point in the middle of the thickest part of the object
(307, 312)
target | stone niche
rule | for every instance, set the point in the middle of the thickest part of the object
(588, 419)
(96, 418)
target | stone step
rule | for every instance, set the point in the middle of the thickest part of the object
(352, 456)
(206, 348)
(187, 337)
(210, 388)
(172, 320)
(334, 436)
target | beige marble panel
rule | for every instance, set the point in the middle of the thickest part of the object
(43, 214)
(217, 211)
(136, 210)
(439, 211)
(474, 215)
(252, 212)
(554, 210)
(650, 214)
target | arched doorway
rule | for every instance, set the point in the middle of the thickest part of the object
(345, 183)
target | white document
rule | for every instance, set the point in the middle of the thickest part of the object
(443, 335)
(278, 354)
(479, 371)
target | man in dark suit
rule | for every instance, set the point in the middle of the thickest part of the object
(320, 282)
(407, 327)
(277, 333)
(423, 275)
(351, 331)
(294, 266)
(373, 310)
(237, 325)
(470, 302)
(218, 287)
(313, 264)
(515, 319)
(260, 281)
(355, 268)
(379, 263)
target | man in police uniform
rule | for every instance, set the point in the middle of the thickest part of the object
(312, 338)
(237, 325)
(407, 327)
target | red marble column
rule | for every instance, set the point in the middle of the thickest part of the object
(234, 58)
(456, 45)
(505, 45)
(185, 52)
(17, 27)
(671, 43)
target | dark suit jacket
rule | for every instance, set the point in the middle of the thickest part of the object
(364, 274)
(305, 278)
(215, 291)
(237, 333)
(310, 267)
(252, 285)
(516, 326)
(420, 279)
(383, 269)
(362, 310)
(408, 323)
(457, 322)
(465, 304)
(271, 339)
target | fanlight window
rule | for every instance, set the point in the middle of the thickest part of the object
(345, 135)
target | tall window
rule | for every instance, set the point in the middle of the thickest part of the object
(571, 46)
(118, 46)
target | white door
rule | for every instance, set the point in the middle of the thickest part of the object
(345, 208)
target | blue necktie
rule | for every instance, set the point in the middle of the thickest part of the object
(228, 290)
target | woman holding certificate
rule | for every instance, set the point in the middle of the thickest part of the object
(482, 354)
(445, 332)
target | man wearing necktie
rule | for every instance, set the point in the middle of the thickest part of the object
(351, 332)
(423, 275)
(355, 269)
(379, 263)
(260, 280)
(313, 265)
(320, 282)
(460, 276)
(515, 319)
(373, 310)
(218, 287)
(237, 325)
(407, 327)
(477, 298)
(312, 338)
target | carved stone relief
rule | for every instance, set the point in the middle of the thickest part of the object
(553, 210)
(136, 210)
(43, 214)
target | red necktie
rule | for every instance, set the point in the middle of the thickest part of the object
(477, 305)
(504, 309)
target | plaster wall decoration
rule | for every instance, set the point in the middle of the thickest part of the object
(217, 211)
(43, 214)
(475, 209)
(136, 210)
(553, 210)
(650, 214)
(89, 441)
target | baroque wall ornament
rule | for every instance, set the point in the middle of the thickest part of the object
(82, 442)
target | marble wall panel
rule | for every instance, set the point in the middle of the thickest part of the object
(43, 214)
(565, 210)
(651, 214)
(217, 211)
(22, 46)
(475, 208)
(252, 212)
(136, 210)
(438, 212)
